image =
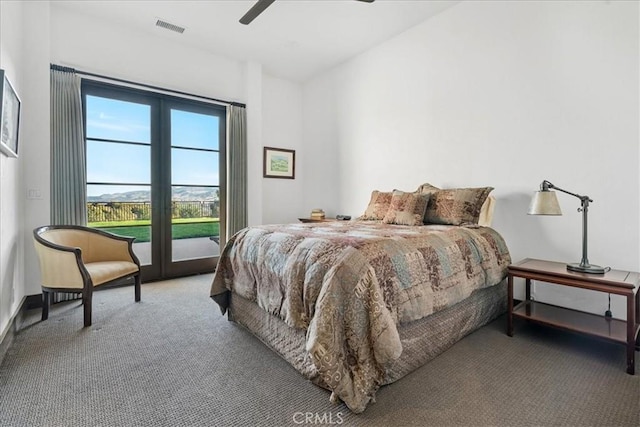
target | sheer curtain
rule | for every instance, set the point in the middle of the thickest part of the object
(237, 182)
(68, 168)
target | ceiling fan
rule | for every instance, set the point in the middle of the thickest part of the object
(261, 5)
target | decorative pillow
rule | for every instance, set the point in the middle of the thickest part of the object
(456, 206)
(427, 188)
(406, 208)
(378, 206)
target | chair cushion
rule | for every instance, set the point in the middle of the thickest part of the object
(106, 271)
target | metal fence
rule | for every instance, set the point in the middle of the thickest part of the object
(131, 211)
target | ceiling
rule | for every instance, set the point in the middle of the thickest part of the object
(292, 39)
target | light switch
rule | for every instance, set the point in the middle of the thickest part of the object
(34, 194)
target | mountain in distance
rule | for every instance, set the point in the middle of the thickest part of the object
(190, 194)
(195, 194)
(129, 196)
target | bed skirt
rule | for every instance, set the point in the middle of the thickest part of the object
(422, 340)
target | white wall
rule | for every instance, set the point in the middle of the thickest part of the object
(11, 202)
(504, 94)
(282, 128)
(320, 124)
(36, 134)
(91, 44)
(254, 142)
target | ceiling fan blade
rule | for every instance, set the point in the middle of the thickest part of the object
(261, 5)
(256, 10)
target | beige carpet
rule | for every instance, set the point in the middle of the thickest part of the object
(173, 360)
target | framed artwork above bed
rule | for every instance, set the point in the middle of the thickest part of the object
(279, 163)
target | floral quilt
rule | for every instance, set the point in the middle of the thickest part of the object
(350, 284)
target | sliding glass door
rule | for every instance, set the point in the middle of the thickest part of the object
(155, 171)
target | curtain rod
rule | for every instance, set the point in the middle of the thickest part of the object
(85, 73)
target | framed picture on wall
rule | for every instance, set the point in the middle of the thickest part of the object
(9, 117)
(279, 163)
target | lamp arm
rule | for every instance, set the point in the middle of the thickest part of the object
(546, 185)
(584, 266)
(584, 201)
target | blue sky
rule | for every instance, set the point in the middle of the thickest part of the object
(125, 163)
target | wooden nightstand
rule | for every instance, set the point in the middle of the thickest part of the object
(614, 282)
(317, 220)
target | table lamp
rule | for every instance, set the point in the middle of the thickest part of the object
(545, 202)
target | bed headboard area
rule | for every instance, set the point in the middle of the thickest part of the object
(486, 212)
(432, 205)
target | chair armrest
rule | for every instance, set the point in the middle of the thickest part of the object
(60, 266)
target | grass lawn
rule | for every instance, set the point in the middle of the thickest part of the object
(181, 228)
(148, 222)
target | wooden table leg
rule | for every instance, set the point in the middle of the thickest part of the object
(638, 305)
(510, 305)
(631, 331)
(638, 318)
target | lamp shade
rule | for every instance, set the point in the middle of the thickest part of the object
(544, 202)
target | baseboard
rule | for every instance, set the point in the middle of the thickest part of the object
(28, 302)
(31, 302)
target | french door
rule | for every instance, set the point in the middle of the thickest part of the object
(156, 172)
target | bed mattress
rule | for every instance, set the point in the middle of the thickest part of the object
(350, 286)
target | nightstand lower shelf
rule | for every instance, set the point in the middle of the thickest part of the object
(572, 320)
(618, 282)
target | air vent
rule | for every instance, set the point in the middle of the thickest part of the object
(163, 24)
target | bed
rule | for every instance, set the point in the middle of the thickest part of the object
(354, 305)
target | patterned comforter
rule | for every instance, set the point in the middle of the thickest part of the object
(349, 284)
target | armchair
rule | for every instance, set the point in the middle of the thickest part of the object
(77, 259)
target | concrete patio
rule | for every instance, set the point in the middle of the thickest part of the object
(183, 249)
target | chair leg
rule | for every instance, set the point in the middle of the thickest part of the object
(86, 301)
(136, 287)
(45, 304)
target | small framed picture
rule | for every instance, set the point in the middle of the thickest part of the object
(279, 163)
(9, 117)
